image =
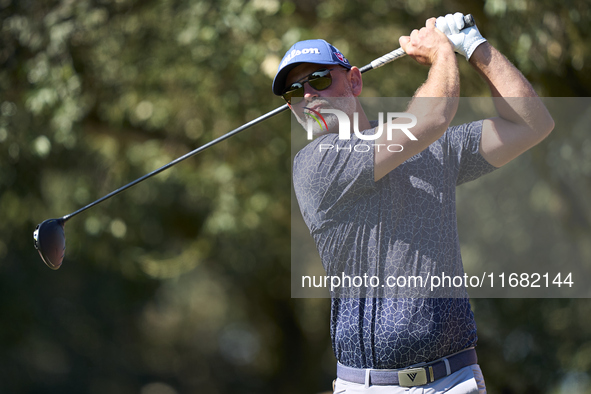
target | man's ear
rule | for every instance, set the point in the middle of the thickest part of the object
(356, 81)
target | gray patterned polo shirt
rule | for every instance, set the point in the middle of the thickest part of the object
(403, 224)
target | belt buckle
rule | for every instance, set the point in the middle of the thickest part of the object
(412, 377)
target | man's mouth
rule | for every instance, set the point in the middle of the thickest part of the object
(314, 107)
(312, 110)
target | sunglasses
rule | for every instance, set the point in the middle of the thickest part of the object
(318, 80)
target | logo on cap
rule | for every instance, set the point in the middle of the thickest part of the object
(297, 52)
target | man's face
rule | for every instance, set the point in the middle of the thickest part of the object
(339, 95)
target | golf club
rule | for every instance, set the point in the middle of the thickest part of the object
(49, 236)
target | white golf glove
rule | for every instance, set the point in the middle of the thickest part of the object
(464, 41)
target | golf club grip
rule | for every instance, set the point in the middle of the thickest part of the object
(398, 53)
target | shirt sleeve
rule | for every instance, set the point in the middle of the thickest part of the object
(330, 175)
(464, 141)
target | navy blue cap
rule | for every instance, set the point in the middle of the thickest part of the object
(309, 51)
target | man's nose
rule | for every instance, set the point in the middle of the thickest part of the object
(309, 92)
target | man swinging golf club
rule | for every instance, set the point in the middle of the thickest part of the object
(379, 210)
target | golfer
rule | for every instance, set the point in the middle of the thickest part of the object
(393, 210)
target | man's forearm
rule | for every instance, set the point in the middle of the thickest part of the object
(434, 105)
(523, 120)
(443, 79)
(505, 80)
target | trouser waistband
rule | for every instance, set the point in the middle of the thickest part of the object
(417, 375)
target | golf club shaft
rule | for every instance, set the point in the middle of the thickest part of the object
(387, 58)
(186, 156)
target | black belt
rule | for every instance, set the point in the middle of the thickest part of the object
(409, 377)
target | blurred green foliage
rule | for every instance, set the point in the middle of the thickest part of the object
(181, 284)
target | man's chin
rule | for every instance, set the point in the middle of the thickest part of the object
(321, 133)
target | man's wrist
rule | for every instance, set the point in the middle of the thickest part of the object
(481, 55)
(445, 54)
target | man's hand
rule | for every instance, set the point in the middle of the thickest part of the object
(427, 44)
(464, 41)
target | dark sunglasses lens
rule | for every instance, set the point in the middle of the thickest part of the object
(321, 83)
(323, 72)
(294, 94)
(318, 80)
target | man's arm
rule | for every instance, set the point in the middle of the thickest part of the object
(427, 46)
(522, 121)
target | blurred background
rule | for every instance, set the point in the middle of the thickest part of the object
(182, 283)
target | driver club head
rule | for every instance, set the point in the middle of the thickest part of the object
(50, 242)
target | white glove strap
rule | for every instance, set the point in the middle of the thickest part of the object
(472, 42)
